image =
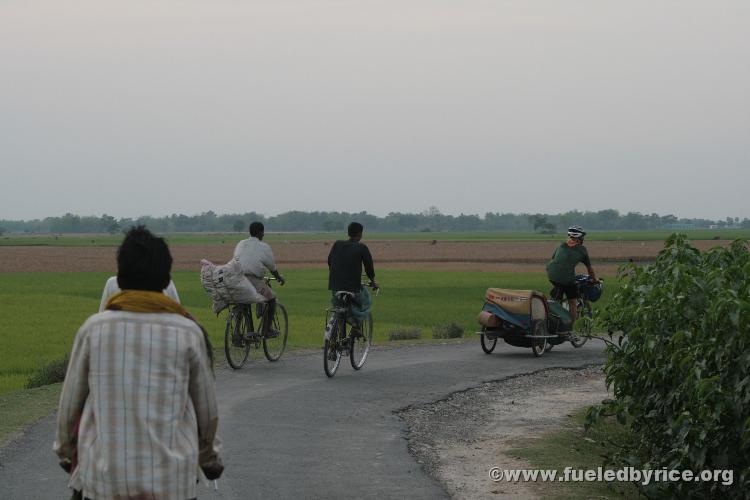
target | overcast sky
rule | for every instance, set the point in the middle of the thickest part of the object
(159, 107)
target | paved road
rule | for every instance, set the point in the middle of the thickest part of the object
(289, 432)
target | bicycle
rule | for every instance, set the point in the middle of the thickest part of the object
(240, 334)
(339, 340)
(587, 290)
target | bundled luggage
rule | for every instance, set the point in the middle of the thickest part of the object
(226, 285)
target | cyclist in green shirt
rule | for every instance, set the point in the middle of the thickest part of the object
(561, 269)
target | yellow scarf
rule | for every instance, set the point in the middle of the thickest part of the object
(144, 301)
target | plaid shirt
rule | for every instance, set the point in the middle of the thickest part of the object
(144, 392)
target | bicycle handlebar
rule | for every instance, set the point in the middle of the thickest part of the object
(370, 285)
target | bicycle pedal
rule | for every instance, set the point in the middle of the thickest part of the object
(272, 334)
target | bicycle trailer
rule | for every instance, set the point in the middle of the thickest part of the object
(522, 319)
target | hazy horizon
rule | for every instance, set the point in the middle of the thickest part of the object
(144, 108)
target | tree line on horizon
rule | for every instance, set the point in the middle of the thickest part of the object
(430, 220)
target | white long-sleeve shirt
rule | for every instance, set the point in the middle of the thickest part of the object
(111, 288)
(255, 257)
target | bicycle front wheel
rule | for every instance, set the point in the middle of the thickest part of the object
(361, 343)
(331, 351)
(236, 344)
(275, 345)
(584, 324)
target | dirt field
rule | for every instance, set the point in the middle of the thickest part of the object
(460, 256)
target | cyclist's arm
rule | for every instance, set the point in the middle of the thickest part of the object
(369, 266)
(278, 277)
(592, 274)
(202, 391)
(266, 258)
(587, 262)
(75, 390)
(330, 254)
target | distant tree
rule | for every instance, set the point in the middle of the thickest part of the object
(238, 226)
(68, 223)
(607, 219)
(433, 211)
(669, 219)
(633, 220)
(3, 231)
(538, 221)
(548, 228)
(109, 224)
(333, 225)
(468, 222)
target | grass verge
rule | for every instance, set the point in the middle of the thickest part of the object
(19, 409)
(572, 446)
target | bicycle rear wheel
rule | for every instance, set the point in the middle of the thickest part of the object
(236, 344)
(331, 351)
(360, 345)
(274, 347)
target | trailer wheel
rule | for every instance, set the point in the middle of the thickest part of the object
(488, 345)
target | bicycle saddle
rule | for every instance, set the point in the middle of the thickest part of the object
(341, 294)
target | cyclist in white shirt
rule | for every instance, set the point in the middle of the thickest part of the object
(256, 257)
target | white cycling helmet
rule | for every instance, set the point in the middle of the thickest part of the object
(576, 232)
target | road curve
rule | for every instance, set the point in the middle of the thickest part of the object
(289, 432)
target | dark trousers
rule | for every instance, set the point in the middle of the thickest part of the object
(268, 317)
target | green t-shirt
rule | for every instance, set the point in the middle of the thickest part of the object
(562, 268)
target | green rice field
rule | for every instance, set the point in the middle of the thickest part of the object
(231, 238)
(41, 312)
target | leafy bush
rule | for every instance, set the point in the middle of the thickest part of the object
(447, 331)
(405, 333)
(679, 366)
(51, 373)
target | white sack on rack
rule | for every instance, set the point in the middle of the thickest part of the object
(227, 285)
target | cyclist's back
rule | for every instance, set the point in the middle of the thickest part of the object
(345, 263)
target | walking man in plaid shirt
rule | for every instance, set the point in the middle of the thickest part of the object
(138, 415)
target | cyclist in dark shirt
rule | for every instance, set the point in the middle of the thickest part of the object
(561, 268)
(345, 263)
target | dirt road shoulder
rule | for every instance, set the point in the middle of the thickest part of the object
(458, 439)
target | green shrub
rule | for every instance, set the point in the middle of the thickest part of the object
(51, 373)
(405, 333)
(447, 331)
(679, 366)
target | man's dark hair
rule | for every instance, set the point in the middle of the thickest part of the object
(143, 261)
(256, 228)
(355, 229)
